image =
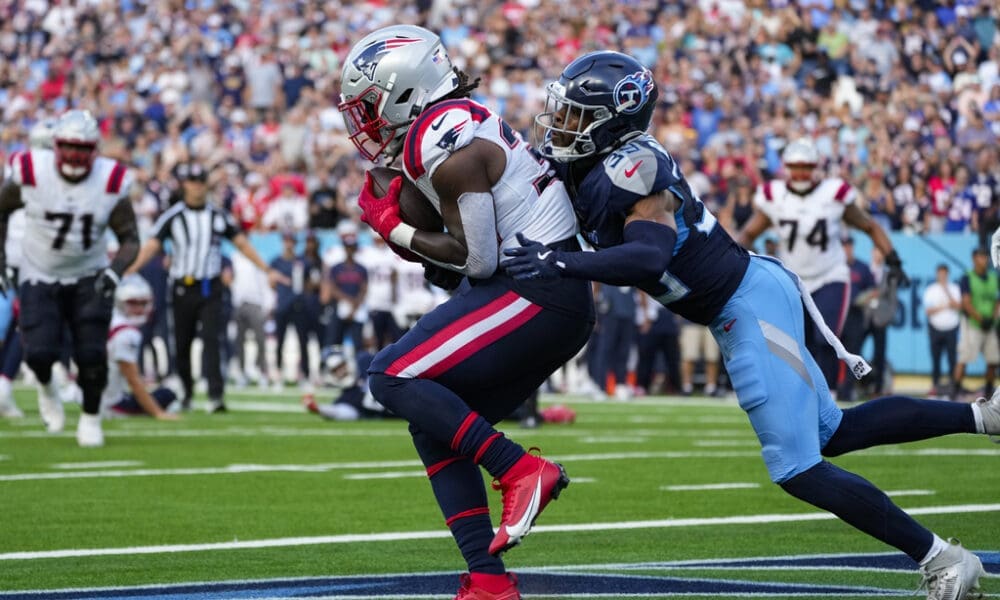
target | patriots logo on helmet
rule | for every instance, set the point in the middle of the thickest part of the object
(369, 57)
(450, 137)
(632, 91)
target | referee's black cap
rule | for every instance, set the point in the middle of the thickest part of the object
(191, 171)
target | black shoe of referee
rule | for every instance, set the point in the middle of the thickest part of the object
(216, 406)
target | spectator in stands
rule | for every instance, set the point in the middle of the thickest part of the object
(291, 307)
(980, 308)
(942, 302)
(697, 344)
(344, 293)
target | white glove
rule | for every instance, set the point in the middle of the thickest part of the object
(995, 248)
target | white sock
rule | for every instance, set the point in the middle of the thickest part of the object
(5, 388)
(937, 547)
(977, 414)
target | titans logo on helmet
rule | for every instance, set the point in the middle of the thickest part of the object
(369, 57)
(632, 91)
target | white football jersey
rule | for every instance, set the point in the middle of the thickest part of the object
(809, 228)
(528, 198)
(380, 262)
(124, 344)
(65, 222)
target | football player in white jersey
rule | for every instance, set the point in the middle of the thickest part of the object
(70, 197)
(125, 393)
(468, 363)
(806, 212)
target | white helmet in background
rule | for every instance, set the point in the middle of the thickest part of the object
(134, 300)
(801, 159)
(75, 141)
(338, 367)
(389, 76)
(42, 133)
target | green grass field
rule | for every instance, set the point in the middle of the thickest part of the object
(268, 491)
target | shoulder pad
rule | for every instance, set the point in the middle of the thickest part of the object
(634, 167)
(438, 132)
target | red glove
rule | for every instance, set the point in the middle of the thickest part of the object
(382, 214)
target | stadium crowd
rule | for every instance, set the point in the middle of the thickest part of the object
(901, 98)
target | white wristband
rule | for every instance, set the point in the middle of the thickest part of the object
(402, 235)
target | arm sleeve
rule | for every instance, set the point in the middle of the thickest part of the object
(644, 256)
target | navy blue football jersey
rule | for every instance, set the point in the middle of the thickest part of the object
(707, 265)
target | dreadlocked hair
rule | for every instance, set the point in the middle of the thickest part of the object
(464, 89)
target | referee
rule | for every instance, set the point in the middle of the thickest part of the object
(196, 228)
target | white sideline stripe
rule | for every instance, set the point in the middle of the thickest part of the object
(437, 534)
(387, 475)
(322, 468)
(911, 493)
(98, 465)
(709, 486)
(726, 443)
(610, 439)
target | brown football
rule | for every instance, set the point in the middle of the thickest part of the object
(414, 208)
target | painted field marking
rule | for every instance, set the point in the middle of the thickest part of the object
(386, 475)
(709, 486)
(106, 464)
(439, 534)
(726, 443)
(611, 439)
(911, 493)
(237, 469)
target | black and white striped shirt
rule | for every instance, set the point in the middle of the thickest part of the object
(196, 236)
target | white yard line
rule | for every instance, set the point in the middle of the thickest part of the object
(910, 493)
(437, 534)
(106, 464)
(324, 467)
(709, 486)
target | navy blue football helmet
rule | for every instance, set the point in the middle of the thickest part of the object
(601, 100)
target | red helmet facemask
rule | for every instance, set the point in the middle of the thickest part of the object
(368, 130)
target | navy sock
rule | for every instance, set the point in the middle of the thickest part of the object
(443, 416)
(898, 419)
(862, 505)
(460, 492)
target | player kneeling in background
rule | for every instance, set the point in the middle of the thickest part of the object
(350, 378)
(125, 394)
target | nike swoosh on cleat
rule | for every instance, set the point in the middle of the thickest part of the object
(544, 255)
(517, 530)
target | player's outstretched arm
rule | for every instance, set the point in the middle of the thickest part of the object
(649, 236)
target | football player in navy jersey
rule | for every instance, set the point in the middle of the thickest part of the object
(471, 361)
(652, 232)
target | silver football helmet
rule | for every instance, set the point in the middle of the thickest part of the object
(338, 367)
(388, 78)
(42, 133)
(801, 159)
(75, 140)
(134, 300)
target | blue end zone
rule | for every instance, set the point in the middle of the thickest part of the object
(532, 583)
